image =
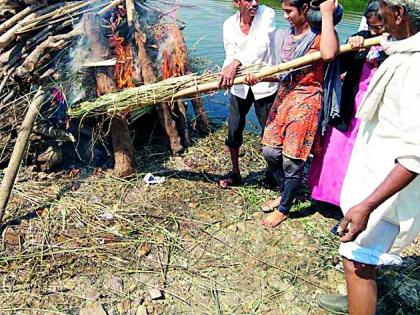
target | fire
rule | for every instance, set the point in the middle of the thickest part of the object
(124, 67)
(173, 57)
(172, 64)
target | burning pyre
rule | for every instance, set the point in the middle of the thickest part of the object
(55, 45)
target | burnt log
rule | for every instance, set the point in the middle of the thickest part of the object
(149, 76)
(175, 62)
(105, 81)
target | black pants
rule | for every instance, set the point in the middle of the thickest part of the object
(288, 174)
(238, 110)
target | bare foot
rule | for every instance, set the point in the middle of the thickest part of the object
(230, 179)
(271, 205)
(274, 219)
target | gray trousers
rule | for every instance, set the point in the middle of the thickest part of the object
(288, 174)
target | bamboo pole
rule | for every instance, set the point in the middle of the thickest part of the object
(181, 87)
(19, 151)
(269, 71)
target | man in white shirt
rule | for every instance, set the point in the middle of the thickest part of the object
(381, 191)
(246, 37)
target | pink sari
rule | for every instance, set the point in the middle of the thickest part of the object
(328, 170)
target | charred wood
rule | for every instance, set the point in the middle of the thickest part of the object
(149, 76)
(105, 80)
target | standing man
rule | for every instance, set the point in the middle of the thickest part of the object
(246, 37)
(381, 192)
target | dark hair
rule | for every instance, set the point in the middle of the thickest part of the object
(372, 9)
(297, 3)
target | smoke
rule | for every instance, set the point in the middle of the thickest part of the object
(78, 55)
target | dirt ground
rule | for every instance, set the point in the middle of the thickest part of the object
(84, 242)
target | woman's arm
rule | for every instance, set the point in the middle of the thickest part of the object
(329, 38)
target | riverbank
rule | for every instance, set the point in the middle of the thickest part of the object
(85, 241)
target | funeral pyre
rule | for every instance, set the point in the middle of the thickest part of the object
(77, 51)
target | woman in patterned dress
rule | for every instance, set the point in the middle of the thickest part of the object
(293, 120)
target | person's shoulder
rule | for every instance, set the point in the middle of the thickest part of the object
(281, 33)
(267, 11)
(231, 19)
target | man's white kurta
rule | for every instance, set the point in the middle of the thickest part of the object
(389, 133)
(251, 49)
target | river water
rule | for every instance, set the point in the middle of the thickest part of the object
(203, 34)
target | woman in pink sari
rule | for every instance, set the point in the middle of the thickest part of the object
(328, 170)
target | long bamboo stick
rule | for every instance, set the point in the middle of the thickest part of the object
(190, 85)
(19, 151)
(269, 71)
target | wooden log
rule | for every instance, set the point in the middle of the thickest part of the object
(149, 76)
(8, 97)
(144, 61)
(110, 6)
(56, 42)
(201, 120)
(62, 9)
(19, 151)
(168, 123)
(123, 147)
(129, 6)
(180, 113)
(176, 63)
(105, 80)
(10, 36)
(18, 17)
(10, 54)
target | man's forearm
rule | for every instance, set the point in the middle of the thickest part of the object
(398, 179)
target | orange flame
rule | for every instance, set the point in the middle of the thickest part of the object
(124, 67)
(172, 63)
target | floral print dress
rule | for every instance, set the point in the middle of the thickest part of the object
(293, 120)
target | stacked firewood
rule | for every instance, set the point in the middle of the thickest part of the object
(122, 43)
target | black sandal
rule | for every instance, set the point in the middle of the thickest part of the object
(230, 179)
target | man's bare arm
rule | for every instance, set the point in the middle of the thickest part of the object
(357, 218)
(228, 74)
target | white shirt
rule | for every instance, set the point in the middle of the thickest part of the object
(392, 134)
(250, 49)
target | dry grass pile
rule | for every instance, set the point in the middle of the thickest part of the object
(88, 240)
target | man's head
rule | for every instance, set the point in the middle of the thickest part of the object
(295, 11)
(247, 7)
(402, 17)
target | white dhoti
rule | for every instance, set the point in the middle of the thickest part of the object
(390, 132)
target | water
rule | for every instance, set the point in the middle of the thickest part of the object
(203, 34)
